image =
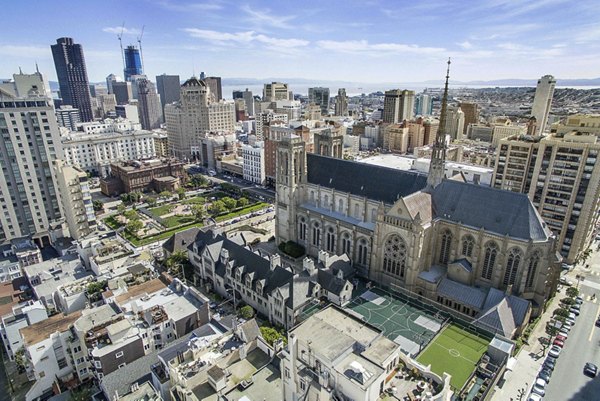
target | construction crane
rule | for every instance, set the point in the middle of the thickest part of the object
(139, 39)
(120, 36)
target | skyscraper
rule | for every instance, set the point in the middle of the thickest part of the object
(341, 103)
(471, 111)
(122, 91)
(29, 146)
(275, 91)
(249, 99)
(133, 62)
(109, 81)
(149, 105)
(168, 87)
(214, 83)
(423, 104)
(455, 123)
(320, 97)
(398, 105)
(72, 76)
(542, 101)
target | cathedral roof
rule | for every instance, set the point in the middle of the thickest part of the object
(193, 81)
(498, 211)
(374, 182)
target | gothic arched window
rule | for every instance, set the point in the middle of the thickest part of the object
(445, 247)
(467, 245)
(302, 229)
(534, 261)
(340, 206)
(346, 244)
(362, 252)
(394, 256)
(316, 234)
(512, 266)
(489, 260)
(330, 243)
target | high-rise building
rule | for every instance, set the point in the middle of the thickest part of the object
(423, 105)
(275, 91)
(122, 91)
(471, 111)
(398, 105)
(341, 103)
(168, 87)
(76, 200)
(542, 101)
(107, 104)
(561, 176)
(455, 123)
(214, 83)
(72, 76)
(133, 62)
(149, 105)
(254, 162)
(29, 146)
(109, 82)
(320, 97)
(196, 114)
(237, 95)
(68, 117)
(128, 111)
(249, 99)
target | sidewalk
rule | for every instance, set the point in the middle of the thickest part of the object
(529, 360)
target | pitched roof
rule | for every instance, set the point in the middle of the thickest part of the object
(181, 240)
(419, 204)
(41, 330)
(465, 294)
(374, 182)
(330, 282)
(496, 210)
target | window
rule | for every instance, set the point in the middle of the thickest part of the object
(394, 256)
(169, 336)
(98, 364)
(340, 206)
(445, 247)
(122, 365)
(287, 373)
(316, 234)
(512, 266)
(326, 201)
(532, 269)
(302, 385)
(467, 245)
(362, 252)
(356, 211)
(491, 251)
(82, 371)
(302, 229)
(346, 243)
(330, 240)
(119, 354)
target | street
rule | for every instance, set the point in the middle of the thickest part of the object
(583, 345)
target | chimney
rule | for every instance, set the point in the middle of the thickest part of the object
(275, 261)
(224, 256)
(323, 256)
(309, 265)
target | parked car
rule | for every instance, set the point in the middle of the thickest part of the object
(566, 282)
(598, 322)
(546, 372)
(544, 375)
(574, 311)
(562, 338)
(550, 363)
(558, 343)
(590, 369)
(579, 299)
(567, 326)
(539, 387)
(535, 397)
(564, 332)
(554, 351)
(570, 320)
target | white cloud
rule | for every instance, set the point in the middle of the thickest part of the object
(260, 18)
(466, 45)
(363, 46)
(186, 8)
(117, 30)
(246, 37)
(25, 51)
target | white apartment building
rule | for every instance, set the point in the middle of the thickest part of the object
(68, 117)
(265, 117)
(254, 162)
(129, 112)
(94, 152)
(292, 108)
(76, 200)
(30, 144)
(542, 101)
(22, 315)
(109, 125)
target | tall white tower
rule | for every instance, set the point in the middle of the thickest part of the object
(542, 101)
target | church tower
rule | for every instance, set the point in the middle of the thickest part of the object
(438, 155)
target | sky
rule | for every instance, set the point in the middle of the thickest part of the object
(368, 41)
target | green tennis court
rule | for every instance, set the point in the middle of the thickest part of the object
(455, 351)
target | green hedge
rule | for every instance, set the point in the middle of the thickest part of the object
(240, 212)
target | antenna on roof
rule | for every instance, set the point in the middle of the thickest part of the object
(120, 37)
(139, 39)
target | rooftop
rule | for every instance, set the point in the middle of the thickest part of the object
(54, 273)
(149, 287)
(41, 330)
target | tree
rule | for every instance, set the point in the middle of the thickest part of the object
(551, 330)
(242, 202)
(98, 205)
(151, 201)
(229, 203)
(121, 208)
(133, 226)
(217, 207)
(572, 292)
(568, 301)
(199, 212)
(271, 335)
(125, 198)
(20, 358)
(198, 180)
(176, 261)
(181, 193)
(165, 194)
(247, 312)
(561, 312)
(81, 394)
(131, 215)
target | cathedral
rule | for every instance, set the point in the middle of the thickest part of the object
(484, 253)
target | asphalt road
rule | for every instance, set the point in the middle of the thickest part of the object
(568, 383)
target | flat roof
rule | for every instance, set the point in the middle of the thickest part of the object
(41, 330)
(148, 287)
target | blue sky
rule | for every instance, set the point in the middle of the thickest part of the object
(368, 41)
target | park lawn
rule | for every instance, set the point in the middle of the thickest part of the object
(175, 221)
(161, 210)
(112, 222)
(157, 237)
(246, 210)
(196, 200)
(466, 347)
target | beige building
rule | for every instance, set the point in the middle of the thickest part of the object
(275, 91)
(76, 199)
(395, 138)
(471, 111)
(560, 175)
(585, 123)
(398, 105)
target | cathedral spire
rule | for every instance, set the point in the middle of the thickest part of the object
(438, 155)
